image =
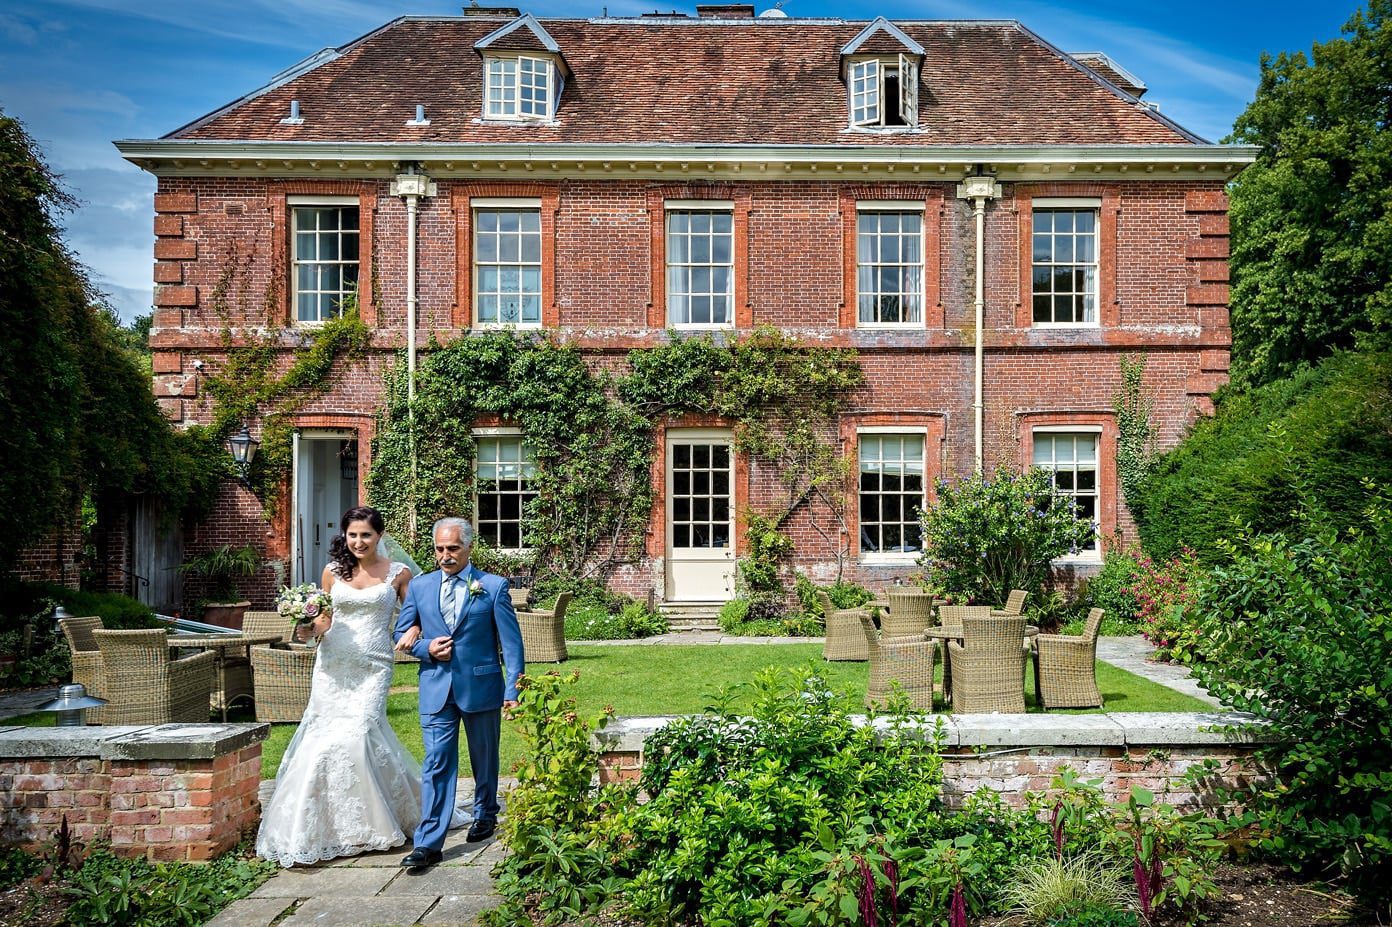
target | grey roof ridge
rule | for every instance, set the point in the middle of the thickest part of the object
(285, 76)
(1113, 88)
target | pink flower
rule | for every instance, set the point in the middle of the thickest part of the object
(311, 609)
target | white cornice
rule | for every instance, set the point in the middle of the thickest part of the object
(184, 157)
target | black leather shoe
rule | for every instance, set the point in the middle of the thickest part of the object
(422, 858)
(481, 830)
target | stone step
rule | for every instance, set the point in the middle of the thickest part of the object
(692, 616)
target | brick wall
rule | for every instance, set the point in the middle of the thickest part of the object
(163, 809)
(222, 252)
(53, 558)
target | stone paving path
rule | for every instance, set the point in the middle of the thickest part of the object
(373, 891)
(1132, 653)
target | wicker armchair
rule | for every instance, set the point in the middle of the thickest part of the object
(519, 597)
(951, 616)
(543, 633)
(86, 660)
(903, 660)
(282, 673)
(144, 686)
(988, 673)
(1014, 605)
(1065, 667)
(268, 623)
(844, 638)
(910, 613)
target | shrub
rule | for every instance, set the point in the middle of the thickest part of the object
(111, 891)
(984, 537)
(1299, 632)
(1049, 890)
(1111, 589)
(1096, 917)
(761, 615)
(1165, 594)
(589, 621)
(1319, 432)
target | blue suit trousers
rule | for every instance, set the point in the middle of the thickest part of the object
(440, 732)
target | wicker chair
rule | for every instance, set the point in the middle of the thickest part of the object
(268, 623)
(903, 660)
(1014, 605)
(1065, 667)
(543, 633)
(86, 660)
(144, 686)
(950, 616)
(519, 597)
(282, 673)
(844, 638)
(910, 613)
(988, 673)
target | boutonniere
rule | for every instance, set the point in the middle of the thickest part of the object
(475, 587)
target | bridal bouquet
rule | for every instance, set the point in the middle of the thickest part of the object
(302, 603)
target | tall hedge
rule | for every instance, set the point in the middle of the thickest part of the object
(1322, 430)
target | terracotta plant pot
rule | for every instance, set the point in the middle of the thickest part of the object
(225, 614)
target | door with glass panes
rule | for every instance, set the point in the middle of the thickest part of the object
(700, 516)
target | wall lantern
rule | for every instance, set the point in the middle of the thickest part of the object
(243, 447)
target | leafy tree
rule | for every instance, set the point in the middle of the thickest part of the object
(1311, 219)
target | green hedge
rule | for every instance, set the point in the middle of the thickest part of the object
(1321, 431)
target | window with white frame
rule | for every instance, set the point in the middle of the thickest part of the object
(325, 264)
(883, 91)
(519, 87)
(700, 267)
(1072, 459)
(891, 493)
(1065, 264)
(889, 266)
(507, 265)
(503, 471)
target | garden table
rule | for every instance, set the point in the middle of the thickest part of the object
(229, 665)
(954, 633)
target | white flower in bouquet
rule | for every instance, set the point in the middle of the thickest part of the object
(303, 603)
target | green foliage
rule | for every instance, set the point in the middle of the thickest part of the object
(1299, 632)
(1053, 890)
(1135, 435)
(1319, 432)
(766, 548)
(1165, 595)
(112, 891)
(221, 567)
(16, 866)
(763, 615)
(1112, 589)
(78, 414)
(984, 537)
(1311, 223)
(1096, 917)
(30, 606)
(590, 621)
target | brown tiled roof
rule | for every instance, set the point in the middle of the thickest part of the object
(1104, 66)
(697, 82)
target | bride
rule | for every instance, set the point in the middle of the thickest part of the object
(346, 784)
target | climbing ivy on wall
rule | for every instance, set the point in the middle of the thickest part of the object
(1135, 433)
(593, 433)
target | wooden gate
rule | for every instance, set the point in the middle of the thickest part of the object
(156, 550)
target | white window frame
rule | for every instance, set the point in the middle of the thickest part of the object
(293, 204)
(694, 206)
(867, 103)
(506, 204)
(902, 207)
(1074, 204)
(503, 86)
(1082, 556)
(892, 557)
(485, 434)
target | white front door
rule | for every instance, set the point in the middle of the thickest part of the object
(325, 486)
(700, 516)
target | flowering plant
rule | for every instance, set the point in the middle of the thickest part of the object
(303, 603)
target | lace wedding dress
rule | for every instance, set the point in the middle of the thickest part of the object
(346, 784)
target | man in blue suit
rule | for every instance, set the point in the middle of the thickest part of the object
(466, 619)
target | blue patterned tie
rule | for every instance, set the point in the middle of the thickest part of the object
(447, 603)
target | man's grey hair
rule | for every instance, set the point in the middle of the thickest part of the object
(466, 529)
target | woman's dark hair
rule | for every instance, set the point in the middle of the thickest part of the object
(340, 557)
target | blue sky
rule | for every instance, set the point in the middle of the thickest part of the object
(80, 73)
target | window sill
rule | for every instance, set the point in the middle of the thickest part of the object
(717, 326)
(1087, 558)
(1064, 325)
(506, 326)
(904, 559)
(890, 326)
(541, 121)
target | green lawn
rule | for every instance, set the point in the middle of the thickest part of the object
(677, 679)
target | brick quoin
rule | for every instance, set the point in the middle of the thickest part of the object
(1163, 293)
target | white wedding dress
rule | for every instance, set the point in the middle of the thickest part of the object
(346, 784)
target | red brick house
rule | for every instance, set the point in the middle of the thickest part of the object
(892, 187)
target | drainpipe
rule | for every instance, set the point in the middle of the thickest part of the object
(411, 186)
(979, 188)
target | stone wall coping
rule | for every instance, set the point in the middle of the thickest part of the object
(1111, 729)
(130, 742)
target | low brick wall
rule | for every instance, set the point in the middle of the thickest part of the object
(173, 792)
(1014, 755)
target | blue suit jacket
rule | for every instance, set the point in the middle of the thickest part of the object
(472, 677)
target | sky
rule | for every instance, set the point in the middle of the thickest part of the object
(81, 73)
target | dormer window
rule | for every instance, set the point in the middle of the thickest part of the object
(519, 87)
(884, 91)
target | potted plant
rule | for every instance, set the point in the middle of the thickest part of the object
(220, 568)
